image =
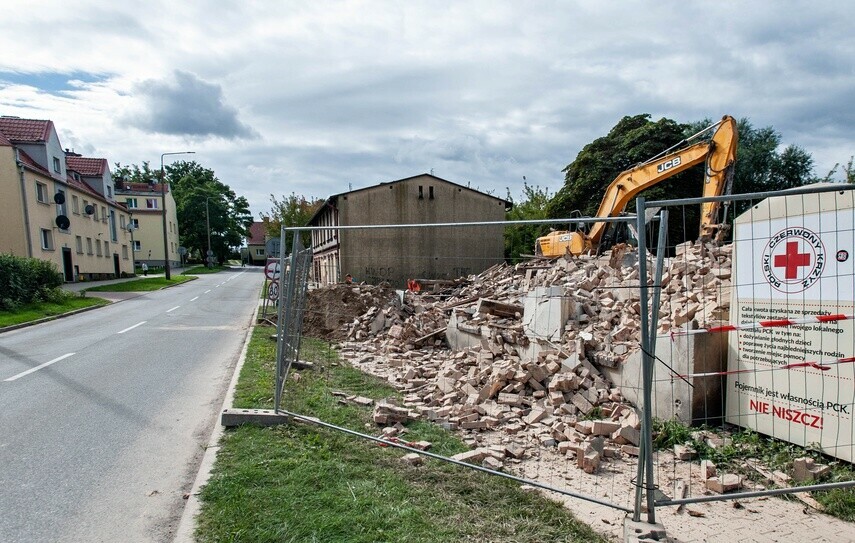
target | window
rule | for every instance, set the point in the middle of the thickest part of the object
(123, 224)
(132, 203)
(151, 203)
(109, 191)
(98, 247)
(79, 241)
(124, 252)
(85, 205)
(103, 214)
(75, 205)
(421, 193)
(41, 192)
(88, 246)
(57, 165)
(136, 223)
(106, 249)
(47, 239)
(137, 246)
(430, 193)
(259, 252)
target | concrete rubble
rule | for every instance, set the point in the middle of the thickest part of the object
(527, 347)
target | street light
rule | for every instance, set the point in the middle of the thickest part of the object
(208, 228)
(163, 197)
(133, 247)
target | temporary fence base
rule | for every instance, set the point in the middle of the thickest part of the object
(262, 417)
(637, 531)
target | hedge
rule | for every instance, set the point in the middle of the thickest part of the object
(26, 280)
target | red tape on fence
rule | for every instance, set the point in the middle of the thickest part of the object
(822, 366)
(777, 323)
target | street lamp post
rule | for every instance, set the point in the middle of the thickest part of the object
(163, 197)
(208, 229)
(133, 247)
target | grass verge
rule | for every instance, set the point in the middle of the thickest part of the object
(41, 310)
(202, 270)
(142, 285)
(301, 483)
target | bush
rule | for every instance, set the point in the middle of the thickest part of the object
(26, 280)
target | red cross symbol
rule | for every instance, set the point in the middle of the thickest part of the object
(792, 260)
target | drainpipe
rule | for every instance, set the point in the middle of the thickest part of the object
(24, 204)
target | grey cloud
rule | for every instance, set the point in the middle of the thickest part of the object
(189, 106)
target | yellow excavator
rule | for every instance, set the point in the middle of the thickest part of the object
(719, 153)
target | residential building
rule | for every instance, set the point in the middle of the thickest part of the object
(145, 203)
(396, 255)
(59, 208)
(256, 241)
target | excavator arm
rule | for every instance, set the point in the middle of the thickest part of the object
(719, 154)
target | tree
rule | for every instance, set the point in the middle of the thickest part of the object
(202, 200)
(631, 141)
(759, 167)
(292, 210)
(520, 239)
(134, 174)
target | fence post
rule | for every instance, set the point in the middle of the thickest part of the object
(644, 478)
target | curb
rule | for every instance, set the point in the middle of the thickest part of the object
(55, 317)
(187, 524)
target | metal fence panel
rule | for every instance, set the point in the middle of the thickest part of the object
(755, 338)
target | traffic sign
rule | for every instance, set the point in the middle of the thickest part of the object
(272, 270)
(272, 247)
(273, 291)
(210, 252)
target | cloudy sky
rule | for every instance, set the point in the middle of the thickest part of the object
(316, 97)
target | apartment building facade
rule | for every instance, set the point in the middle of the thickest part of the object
(59, 206)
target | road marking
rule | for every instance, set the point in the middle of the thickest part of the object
(207, 291)
(194, 299)
(173, 309)
(132, 327)
(40, 366)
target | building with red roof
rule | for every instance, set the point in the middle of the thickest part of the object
(59, 206)
(256, 241)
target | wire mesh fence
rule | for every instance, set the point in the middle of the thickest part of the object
(509, 357)
(552, 369)
(753, 340)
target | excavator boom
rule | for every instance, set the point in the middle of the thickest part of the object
(719, 154)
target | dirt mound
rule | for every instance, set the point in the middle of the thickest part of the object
(329, 308)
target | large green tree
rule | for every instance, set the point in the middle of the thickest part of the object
(760, 166)
(291, 210)
(631, 141)
(206, 206)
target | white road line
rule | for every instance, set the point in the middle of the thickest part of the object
(132, 327)
(194, 299)
(173, 309)
(218, 286)
(37, 368)
(207, 291)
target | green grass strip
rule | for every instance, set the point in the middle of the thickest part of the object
(142, 285)
(35, 311)
(202, 270)
(300, 483)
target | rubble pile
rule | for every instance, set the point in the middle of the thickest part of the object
(535, 387)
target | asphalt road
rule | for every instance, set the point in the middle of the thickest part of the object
(104, 415)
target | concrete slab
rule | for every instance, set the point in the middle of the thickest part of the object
(636, 532)
(263, 417)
